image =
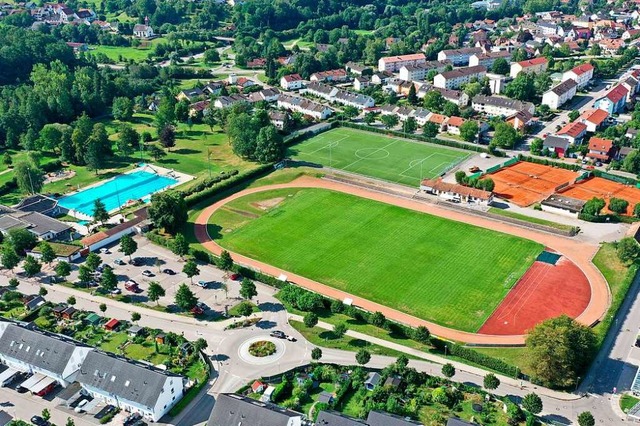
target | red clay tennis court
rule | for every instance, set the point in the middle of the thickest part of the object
(544, 291)
(526, 183)
(604, 188)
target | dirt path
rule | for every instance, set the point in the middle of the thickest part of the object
(578, 252)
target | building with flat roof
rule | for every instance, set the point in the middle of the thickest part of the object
(41, 225)
(562, 205)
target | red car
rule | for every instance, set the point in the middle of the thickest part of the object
(234, 276)
(197, 310)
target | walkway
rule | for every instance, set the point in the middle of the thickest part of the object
(578, 252)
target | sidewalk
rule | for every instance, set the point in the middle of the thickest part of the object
(442, 360)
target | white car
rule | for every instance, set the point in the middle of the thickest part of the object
(105, 251)
(116, 291)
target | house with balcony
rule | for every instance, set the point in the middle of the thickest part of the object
(602, 150)
(582, 75)
(614, 101)
(535, 65)
(455, 78)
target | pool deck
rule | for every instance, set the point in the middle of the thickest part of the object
(180, 178)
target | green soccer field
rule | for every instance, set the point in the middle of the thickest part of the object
(443, 271)
(379, 156)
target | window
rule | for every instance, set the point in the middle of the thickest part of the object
(171, 390)
(113, 378)
(126, 384)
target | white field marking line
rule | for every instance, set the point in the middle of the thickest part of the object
(417, 163)
(367, 156)
(331, 144)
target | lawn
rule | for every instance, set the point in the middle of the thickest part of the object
(443, 271)
(627, 402)
(117, 53)
(372, 154)
(535, 220)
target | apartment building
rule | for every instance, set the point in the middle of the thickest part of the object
(560, 94)
(487, 59)
(581, 74)
(497, 106)
(459, 57)
(394, 63)
(420, 71)
(456, 78)
(535, 65)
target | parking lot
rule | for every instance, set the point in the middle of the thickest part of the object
(155, 260)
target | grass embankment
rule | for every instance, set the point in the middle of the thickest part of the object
(535, 220)
(443, 271)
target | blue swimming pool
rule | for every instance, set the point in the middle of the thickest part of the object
(117, 191)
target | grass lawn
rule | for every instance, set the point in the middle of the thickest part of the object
(436, 269)
(627, 402)
(538, 221)
(326, 339)
(114, 53)
(372, 154)
(113, 341)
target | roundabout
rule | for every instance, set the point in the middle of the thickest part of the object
(261, 350)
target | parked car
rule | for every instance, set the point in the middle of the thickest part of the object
(56, 279)
(105, 412)
(279, 334)
(131, 285)
(168, 271)
(197, 310)
(147, 273)
(291, 338)
(39, 421)
(105, 250)
(235, 277)
(119, 262)
(202, 284)
(115, 291)
(131, 419)
(80, 407)
(136, 261)
(202, 306)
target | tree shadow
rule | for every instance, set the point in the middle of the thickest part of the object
(168, 161)
(215, 231)
(553, 419)
(186, 151)
(359, 343)
(266, 325)
(271, 307)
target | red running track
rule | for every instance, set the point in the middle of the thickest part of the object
(544, 291)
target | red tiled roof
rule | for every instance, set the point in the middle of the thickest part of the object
(616, 94)
(413, 57)
(600, 144)
(455, 121)
(437, 118)
(455, 188)
(595, 116)
(582, 69)
(112, 323)
(574, 129)
(292, 77)
(533, 62)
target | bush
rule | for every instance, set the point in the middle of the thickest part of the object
(209, 182)
(546, 162)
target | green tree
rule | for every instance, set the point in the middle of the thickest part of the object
(490, 381)
(100, 213)
(168, 210)
(135, 317)
(500, 66)
(167, 137)
(586, 419)
(46, 414)
(636, 210)
(473, 89)
(532, 403)
(310, 319)
(410, 125)
(226, 262)
(191, 269)
(573, 115)
(370, 118)
(6, 159)
(628, 250)
(618, 205)
(631, 162)
(378, 319)
(84, 274)
(22, 240)
(63, 269)
(421, 334)
(448, 370)
(103, 307)
(71, 300)
(122, 108)
(128, 140)
(339, 330)
(593, 207)
(93, 261)
(156, 152)
(70, 422)
(412, 97)
(200, 344)
(363, 357)
(10, 258)
(316, 354)
(180, 246)
(185, 299)
(469, 130)
(504, 136)
(29, 177)
(155, 291)
(536, 146)
(430, 129)
(522, 88)
(31, 266)
(211, 55)
(389, 121)
(128, 245)
(210, 120)
(269, 145)
(559, 349)
(94, 154)
(13, 282)
(47, 254)
(245, 309)
(108, 280)
(433, 101)
(450, 109)
(248, 289)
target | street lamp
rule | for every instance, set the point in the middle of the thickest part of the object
(445, 350)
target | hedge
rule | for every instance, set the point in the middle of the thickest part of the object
(620, 179)
(547, 162)
(224, 185)
(475, 357)
(435, 141)
(52, 166)
(209, 182)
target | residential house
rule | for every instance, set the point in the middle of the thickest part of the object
(256, 63)
(331, 76)
(131, 386)
(631, 133)
(556, 144)
(520, 120)
(258, 386)
(459, 56)
(458, 97)
(190, 95)
(291, 82)
(49, 357)
(266, 95)
(279, 119)
(360, 83)
(563, 205)
(344, 97)
(577, 33)
(143, 31)
(39, 203)
(438, 119)
(78, 47)
(456, 78)
(228, 101)
(487, 59)
(575, 132)
(373, 379)
(33, 302)
(497, 106)
(421, 116)
(601, 150)
(535, 65)
(632, 85)
(550, 29)
(42, 226)
(200, 107)
(560, 94)
(631, 33)
(356, 68)
(232, 409)
(581, 74)
(624, 152)
(453, 125)
(457, 193)
(497, 83)
(394, 63)
(420, 71)
(614, 101)
(214, 88)
(335, 418)
(611, 46)
(594, 119)
(381, 78)
(304, 106)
